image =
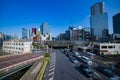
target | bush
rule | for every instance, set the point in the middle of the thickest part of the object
(47, 55)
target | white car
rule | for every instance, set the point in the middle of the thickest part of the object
(86, 60)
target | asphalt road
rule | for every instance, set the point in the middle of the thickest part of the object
(65, 70)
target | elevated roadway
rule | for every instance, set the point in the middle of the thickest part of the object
(12, 63)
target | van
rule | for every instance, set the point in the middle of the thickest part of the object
(86, 60)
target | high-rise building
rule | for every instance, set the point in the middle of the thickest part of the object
(62, 36)
(8, 37)
(38, 35)
(98, 20)
(24, 33)
(1, 40)
(116, 24)
(67, 34)
(98, 8)
(45, 28)
(32, 33)
(86, 34)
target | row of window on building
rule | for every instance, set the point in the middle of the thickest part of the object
(104, 46)
(10, 51)
(13, 44)
(17, 48)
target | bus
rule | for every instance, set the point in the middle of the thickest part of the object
(90, 54)
(86, 60)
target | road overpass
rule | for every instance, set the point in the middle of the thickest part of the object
(10, 64)
(60, 44)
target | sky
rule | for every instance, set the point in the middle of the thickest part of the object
(60, 14)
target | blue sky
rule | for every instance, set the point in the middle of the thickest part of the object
(16, 14)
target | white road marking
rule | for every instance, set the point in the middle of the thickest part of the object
(51, 78)
(52, 66)
(51, 69)
(97, 74)
(51, 73)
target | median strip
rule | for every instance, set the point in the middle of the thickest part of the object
(42, 70)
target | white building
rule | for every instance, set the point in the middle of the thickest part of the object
(17, 46)
(107, 48)
(47, 37)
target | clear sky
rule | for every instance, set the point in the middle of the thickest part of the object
(18, 14)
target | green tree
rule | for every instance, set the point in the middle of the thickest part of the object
(47, 55)
(34, 45)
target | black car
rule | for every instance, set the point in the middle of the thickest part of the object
(109, 73)
(118, 65)
(86, 70)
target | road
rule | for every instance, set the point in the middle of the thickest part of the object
(8, 61)
(61, 68)
(65, 70)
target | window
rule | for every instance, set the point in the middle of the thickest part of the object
(104, 47)
(110, 46)
(113, 46)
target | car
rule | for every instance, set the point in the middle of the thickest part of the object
(117, 65)
(76, 54)
(109, 73)
(86, 70)
(73, 60)
(86, 60)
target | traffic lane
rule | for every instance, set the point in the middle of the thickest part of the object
(39, 51)
(17, 60)
(97, 74)
(64, 69)
(12, 57)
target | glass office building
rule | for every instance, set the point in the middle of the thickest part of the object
(98, 20)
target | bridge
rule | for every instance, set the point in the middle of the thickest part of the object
(60, 44)
(12, 64)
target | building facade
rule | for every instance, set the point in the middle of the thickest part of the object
(17, 47)
(98, 20)
(45, 28)
(1, 40)
(106, 48)
(24, 33)
(32, 33)
(75, 34)
(116, 24)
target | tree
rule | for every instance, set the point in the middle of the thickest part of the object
(47, 55)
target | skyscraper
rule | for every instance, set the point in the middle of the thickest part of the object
(116, 24)
(32, 33)
(24, 33)
(45, 28)
(98, 20)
